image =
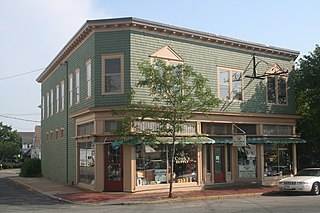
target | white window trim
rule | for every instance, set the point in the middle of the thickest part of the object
(112, 56)
(62, 95)
(230, 84)
(51, 102)
(70, 92)
(88, 79)
(48, 105)
(77, 85)
(42, 107)
(277, 89)
(57, 97)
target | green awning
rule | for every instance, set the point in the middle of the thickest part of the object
(256, 140)
(281, 140)
(183, 140)
(187, 140)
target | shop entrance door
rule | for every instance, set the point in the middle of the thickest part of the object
(218, 159)
(114, 173)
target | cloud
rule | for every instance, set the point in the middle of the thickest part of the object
(32, 34)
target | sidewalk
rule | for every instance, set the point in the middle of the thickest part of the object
(73, 194)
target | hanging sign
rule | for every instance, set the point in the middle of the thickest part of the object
(239, 140)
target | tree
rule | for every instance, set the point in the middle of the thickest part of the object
(10, 142)
(307, 78)
(176, 93)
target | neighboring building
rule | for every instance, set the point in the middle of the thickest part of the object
(36, 145)
(27, 141)
(96, 70)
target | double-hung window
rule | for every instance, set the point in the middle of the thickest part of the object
(112, 74)
(277, 89)
(88, 68)
(230, 84)
(57, 98)
(62, 95)
(42, 107)
(48, 105)
(77, 85)
(70, 89)
(51, 102)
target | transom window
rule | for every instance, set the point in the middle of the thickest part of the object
(112, 74)
(85, 129)
(230, 84)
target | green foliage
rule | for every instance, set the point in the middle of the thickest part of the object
(10, 142)
(176, 93)
(31, 168)
(307, 78)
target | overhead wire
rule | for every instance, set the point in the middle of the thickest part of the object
(20, 119)
(25, 73)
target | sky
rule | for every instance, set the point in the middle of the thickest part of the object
(34, 31)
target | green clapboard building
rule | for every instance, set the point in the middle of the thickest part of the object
(251, 134)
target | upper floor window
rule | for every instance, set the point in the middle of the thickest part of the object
(42, 107)
(230, 84)
(62, 95)
(112, 74)
(70, 89)
(51, 102)
(88, 86)
(276, 86)
(57, 98)
(77, 85)
(48, 105)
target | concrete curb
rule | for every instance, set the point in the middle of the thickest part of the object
(137, 202)
(187, 199)
(40, 192)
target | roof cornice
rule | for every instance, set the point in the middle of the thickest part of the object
(117, 24)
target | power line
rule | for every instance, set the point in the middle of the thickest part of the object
(21, 119)
(25, 73)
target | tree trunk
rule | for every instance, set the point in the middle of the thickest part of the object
(172, 169)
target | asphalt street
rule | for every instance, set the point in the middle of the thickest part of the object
(16, 198)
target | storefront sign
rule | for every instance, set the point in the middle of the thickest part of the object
(182, 158)
(239, 140)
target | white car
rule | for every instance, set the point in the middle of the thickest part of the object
(307, 180)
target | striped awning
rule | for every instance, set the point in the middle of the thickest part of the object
(179, 140)
(257, 140)
(187, 140)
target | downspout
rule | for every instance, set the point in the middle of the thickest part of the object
(67, 122)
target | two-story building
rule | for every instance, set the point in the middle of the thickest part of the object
(252, 132)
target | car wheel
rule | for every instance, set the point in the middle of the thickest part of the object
(315, 189)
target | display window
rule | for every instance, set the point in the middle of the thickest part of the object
(247, 156)
(153, 164)
(86, 163)
(277, 160)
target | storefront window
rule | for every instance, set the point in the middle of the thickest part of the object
(153, 164)
(277, 159)
(247, 161)
(86, 163)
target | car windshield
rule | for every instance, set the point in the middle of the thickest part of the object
(309, 172)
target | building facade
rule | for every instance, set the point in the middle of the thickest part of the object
(250, 136)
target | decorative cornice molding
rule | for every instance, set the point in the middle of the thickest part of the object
(105, 25)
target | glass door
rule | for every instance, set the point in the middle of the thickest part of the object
(218, 159)
(114, 176)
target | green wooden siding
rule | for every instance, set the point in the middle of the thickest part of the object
(137, 46)
(205, 59)
(111, 43)
(54, 156)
